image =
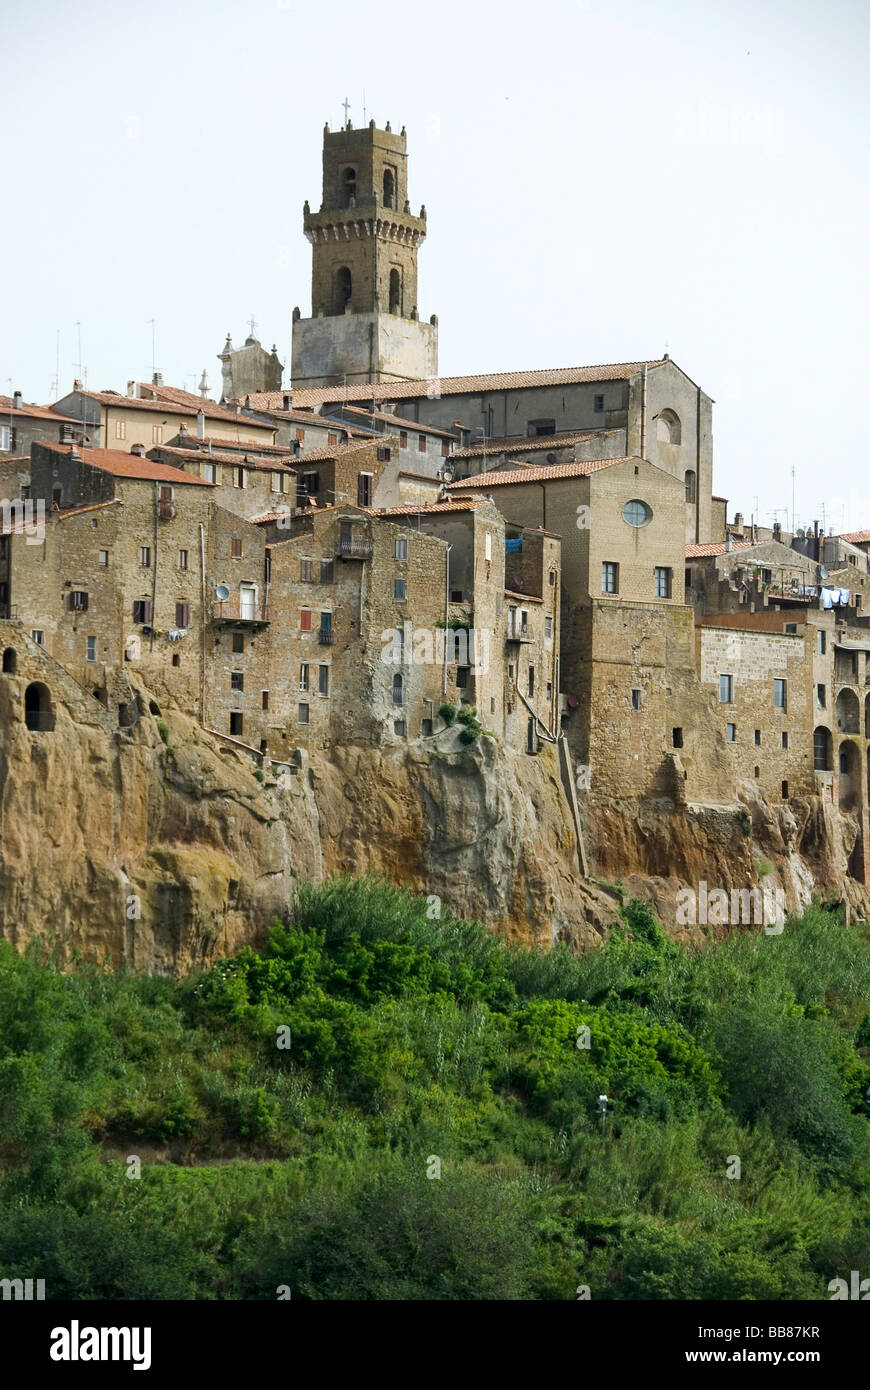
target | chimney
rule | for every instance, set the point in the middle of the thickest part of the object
(74, 455)
(157, 379)
(200, 424)
(138, 450)
(738, 521)
(182, 430)
(729, 542)
(16, 401)
(287, 405)
(131, 389)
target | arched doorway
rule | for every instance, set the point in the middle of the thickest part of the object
(10, 662)
(848, 712)
(38, 712)
(343, 289)
(822, 749)
(850, 775)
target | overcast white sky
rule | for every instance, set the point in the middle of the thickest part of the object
(603, 179)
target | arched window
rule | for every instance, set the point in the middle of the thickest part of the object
(668, 428)
(847, 710)
(850, 765)
(398, 689)
(395, 292)
(822, 749)
(349, 189)
(389, 189)
(343, 289)
(690, 485)
(38, 713)
(10, 662)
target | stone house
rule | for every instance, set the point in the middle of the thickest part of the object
(152, 414)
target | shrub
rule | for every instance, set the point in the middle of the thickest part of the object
(448, 714)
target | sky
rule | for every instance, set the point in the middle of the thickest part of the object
(605, 180)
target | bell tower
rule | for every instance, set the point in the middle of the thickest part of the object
(364, 324)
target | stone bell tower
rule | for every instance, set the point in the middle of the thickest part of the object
(364, 324)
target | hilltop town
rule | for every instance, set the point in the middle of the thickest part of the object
(377, 557)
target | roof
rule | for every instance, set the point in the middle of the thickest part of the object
(535, 474)
(697, 552)
(855, 537)
(336, 450)
(286, 450)
(131, 465)
(239, 460)
(519, 443)
(165, 400)
(526, 598)
(397, 420)
(469, 504)
(34, 412)
(455, 385)
(422, 477)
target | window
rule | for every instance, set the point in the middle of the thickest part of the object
(784, 739)
(726, 690)
(400, 590)
(5, 440)
(552, 579)
(305, 619)
(510, 673)
(327, 571)
(104, 559)
(142, 610)
(237, 724)
(687, 578)
(240, 477)
(539, 427)
(820, 696)
(238, 643)
(401, 548)
(303, 676)
(399, 689)
(779, 694)
(785, 791)
(636, 513)
(156, 434)
(462, 673)
(456, 596)
(389, 198)
(332, 439)
(383, 453)
(182, 615)
(426, 728)
(277, 482)
(609, 577)
(349, 181)
(56, 494)
(308, 486)
(445, 448)
(306, 571)
(821, 643)
(668, 429)
(690, 485)
(492, 704)
(78, 601)
(636, 696)
(399, 727)
(120, 429)
(731, 733)
(421, 443)
(821, 750)
(38, 636)
(677, 738)
(323, 680)
(549, 690)
(303, 714)
(403, 439)
(662, 576)
(265, 699)
(531, 681)
(145, 557)
(364, 488)
(343, 292)
(325, 627)
(548, 627)
(599, 404)
(237, 680)
(236, 548)
(300, 436)
(90, 648)
(758, 738)
(176, 659)
(208, 472)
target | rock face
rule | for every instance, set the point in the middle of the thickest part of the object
(162, 847)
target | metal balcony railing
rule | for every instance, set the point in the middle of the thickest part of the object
(233, 610)
(326, 637)
(356, 549)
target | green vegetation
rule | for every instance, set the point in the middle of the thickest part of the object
(163, 730)
(448, 714)
(291, 1108)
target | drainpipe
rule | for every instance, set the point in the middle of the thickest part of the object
(543, 488)
(154, 584)
(202, 606)
(446, 610)
(643, 412)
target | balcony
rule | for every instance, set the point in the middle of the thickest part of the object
(326, 637)
(360, 549)
(518, 634)
(233, 610)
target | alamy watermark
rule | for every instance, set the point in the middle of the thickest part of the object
(25, 515)
(761, 126)
(716, 907)
(423, 646)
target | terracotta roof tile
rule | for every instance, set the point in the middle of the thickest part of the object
(468, 504)
(519, 443)
(238, 460)
(168, 404)
(518, 476)
(455, 385)
(34, 412)
(697, 552)
(131, 465)
(399, 421)
(855, 537)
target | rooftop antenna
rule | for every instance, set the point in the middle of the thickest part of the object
(792, 499)
(153, 323)
(364, 105)
(55, 385)
(82, 375)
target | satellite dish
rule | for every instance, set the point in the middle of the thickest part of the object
(222, 592)
(447, 472)
(823, 573)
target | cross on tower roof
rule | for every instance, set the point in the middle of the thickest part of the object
(253, 324)
(346, 105)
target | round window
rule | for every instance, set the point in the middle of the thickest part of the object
(636, 513)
